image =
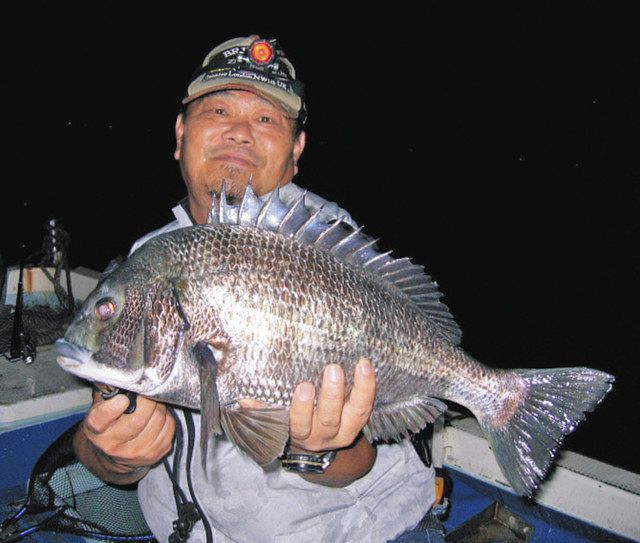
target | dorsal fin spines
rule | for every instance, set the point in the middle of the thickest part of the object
(332, 235)
(312, 228)
(211, 217)
(222, 215)
(408, 279)
(400, 266)
(357, 254)
(346, 245)
(295, 217)
(249, 207)
(264, 212)
(248, 194)
(364, 253)
(375, 262)
(352, 246)
(276, 212)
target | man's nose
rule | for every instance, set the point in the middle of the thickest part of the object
(239, 132)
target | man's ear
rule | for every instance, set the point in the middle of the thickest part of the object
(298, 147)
(179, 136)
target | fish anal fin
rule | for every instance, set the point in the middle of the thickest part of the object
(260, 432)
(396, 420)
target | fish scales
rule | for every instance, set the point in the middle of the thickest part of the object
(208, 315)
(289, 308)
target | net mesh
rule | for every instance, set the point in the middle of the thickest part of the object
(42, 323)
(81, 503)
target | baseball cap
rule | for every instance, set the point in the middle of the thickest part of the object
(254, 64)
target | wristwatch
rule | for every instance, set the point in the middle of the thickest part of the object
(307, 463)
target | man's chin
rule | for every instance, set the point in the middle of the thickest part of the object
(234, 187)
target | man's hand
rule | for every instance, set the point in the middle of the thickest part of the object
(335, 422)
(120, 448)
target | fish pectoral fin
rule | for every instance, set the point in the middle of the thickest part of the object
(397, 420)
(208, 363)
(260, 432)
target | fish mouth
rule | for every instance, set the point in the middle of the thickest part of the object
(71, 355)
(80, 362)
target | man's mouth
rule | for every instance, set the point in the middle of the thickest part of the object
(240, 160)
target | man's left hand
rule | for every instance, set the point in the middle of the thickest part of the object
(335, 422)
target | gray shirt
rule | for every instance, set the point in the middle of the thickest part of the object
(246, 503)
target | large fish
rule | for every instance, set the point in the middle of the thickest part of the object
(265, 295)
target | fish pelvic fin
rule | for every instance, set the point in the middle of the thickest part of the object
(553, 404)
(396, 420)
(261, 433)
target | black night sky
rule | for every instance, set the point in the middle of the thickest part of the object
(495, 144)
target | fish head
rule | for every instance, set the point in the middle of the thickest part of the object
(125, 335)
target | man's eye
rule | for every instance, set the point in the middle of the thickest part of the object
(219, 110)
(266, 119)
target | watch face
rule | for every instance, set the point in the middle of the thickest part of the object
(307, 463)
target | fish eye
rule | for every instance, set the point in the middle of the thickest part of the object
(105, 309)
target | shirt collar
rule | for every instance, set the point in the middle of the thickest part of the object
(182, 213)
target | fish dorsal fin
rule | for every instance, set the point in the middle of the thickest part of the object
(297, 221)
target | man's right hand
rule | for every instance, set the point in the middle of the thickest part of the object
(120, 448)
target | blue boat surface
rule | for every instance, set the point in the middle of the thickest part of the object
(583, 499)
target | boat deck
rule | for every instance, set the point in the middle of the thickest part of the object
(31, 391)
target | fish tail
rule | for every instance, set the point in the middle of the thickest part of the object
(527, 430)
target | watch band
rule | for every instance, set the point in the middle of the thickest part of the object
(307, 463)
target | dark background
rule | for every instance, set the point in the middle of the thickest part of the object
(495, 144)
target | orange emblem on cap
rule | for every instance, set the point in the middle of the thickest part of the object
(261, 52)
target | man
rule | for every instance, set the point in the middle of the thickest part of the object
(241, 122)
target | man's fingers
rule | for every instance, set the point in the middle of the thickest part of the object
(330, 402)
(138, 439)
(108, 416)
(250, 403)
(104, 413)
(163, 443)
(153, 442)
(358, 408)
(333, 423)
(301, 411)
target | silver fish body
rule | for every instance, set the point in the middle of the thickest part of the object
(207, 315)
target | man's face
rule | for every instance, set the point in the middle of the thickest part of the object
(234, 136)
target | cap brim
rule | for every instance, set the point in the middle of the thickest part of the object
(291, 104)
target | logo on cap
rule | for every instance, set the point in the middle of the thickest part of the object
(261, 52)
